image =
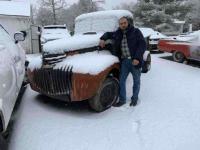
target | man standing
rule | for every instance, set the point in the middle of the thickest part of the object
(129, 47)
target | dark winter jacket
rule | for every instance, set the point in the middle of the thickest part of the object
(135, 39)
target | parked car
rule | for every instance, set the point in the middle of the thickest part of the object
(154, 37)
(76, 69)
(182, 47)
(12, 72)
(54, 32)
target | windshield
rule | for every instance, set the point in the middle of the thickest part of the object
(97, 25)
(55, 31)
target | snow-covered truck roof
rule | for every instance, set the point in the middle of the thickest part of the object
(12, 8)
(98, 22)
(101, 21)
(100, 14)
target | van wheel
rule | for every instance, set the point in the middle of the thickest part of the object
(178, 57)
(106, 95)
(3, 144)
(147, 64)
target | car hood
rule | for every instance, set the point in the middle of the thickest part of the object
(76, 42)
(157, 35)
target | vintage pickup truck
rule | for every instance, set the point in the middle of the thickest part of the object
(182, 47)
(76, 69)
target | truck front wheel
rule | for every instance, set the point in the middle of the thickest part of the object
(106, 95)
(178, 57)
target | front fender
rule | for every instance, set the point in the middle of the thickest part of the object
(85, 86)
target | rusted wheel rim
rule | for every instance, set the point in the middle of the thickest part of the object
(179, 56)
(109, 94)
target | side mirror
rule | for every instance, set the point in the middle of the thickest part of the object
(19, 36)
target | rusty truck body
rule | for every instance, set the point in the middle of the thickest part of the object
(76, 69)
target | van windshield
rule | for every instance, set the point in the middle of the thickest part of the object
(89, 25)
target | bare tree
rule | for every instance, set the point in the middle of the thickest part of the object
(83, 6)
(43, 16)
(63, 15)
(54, 6)
(194, 16)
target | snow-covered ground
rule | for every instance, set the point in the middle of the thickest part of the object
(166, 118)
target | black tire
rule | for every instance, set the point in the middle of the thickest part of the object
(178, 57)
(147, 64)
(3, 144)
(1, 125)
(106, 95)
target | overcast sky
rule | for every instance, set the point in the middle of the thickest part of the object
(109, 3)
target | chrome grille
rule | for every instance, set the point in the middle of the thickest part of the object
(54, 81)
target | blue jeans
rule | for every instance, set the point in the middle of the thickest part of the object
(126, 68)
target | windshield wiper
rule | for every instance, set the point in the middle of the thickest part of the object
(86, 33)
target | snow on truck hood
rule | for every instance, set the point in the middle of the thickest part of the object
(87, 63)
(76, 42)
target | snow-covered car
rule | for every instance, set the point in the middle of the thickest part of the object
(54, 32)
(154, 37)
(76, 69)
(182, 47)
(12, 72)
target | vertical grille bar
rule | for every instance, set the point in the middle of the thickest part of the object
(51, 81)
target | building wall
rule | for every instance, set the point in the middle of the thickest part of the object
(13, 24)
